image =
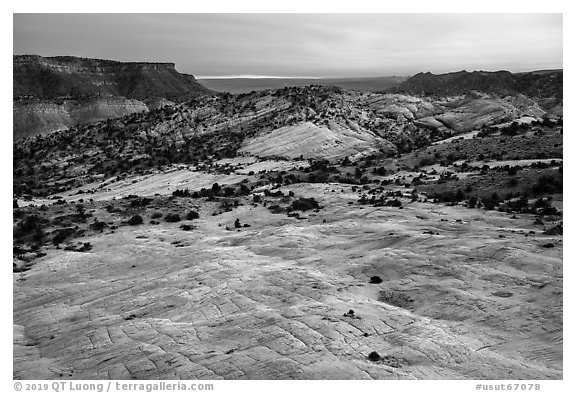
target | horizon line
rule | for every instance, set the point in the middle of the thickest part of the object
(249, 76)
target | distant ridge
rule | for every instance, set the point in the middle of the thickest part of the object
(246, 85)
(536, 84)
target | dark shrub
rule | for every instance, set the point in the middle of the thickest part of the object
(558, 229)
(374, 356)
(135, 220)
(140, 202)
(192, 215)
(375, 280)
(181, 193)
(79, 247)
(548, 184)
(156, 215)
(30, 223)
(304, 204)
(98, 225)
(244, 190)
(186, 227)
(543, 207)
(394, 203)
(172, 217)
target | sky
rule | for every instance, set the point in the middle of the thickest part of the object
(301, 45)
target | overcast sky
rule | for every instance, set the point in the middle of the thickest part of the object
(303, 45)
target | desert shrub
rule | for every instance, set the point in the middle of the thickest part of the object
(519, 205)
(548, 184)
(394, 203)
(81, 211)
(276, 209)
(98, 225)
(472, 202)
(79, 247)
(513, 182)
(192, 215)
(172, 217)
(557, 229)
(381, 171)
(156, 215)
(544, 207)
(244, 190)
(513, 170)
(111, 209)
(489, 203)
(18, 213)
(375, 280)
(186, 227)
(181, 193)
(304, 204)
(30, 223)
(374, 356)
(140, 202)
(449, 196)
(135, 220)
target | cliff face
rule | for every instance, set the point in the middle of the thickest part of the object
(52, 93)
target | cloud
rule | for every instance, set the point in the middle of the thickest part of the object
(301, 44)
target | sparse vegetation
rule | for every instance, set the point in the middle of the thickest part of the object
(395, 298)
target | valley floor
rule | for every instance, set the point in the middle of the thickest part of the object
(465, 294)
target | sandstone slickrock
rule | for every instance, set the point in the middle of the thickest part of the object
(308, 140)
(268, 301)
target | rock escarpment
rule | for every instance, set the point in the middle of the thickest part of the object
(54, 93)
